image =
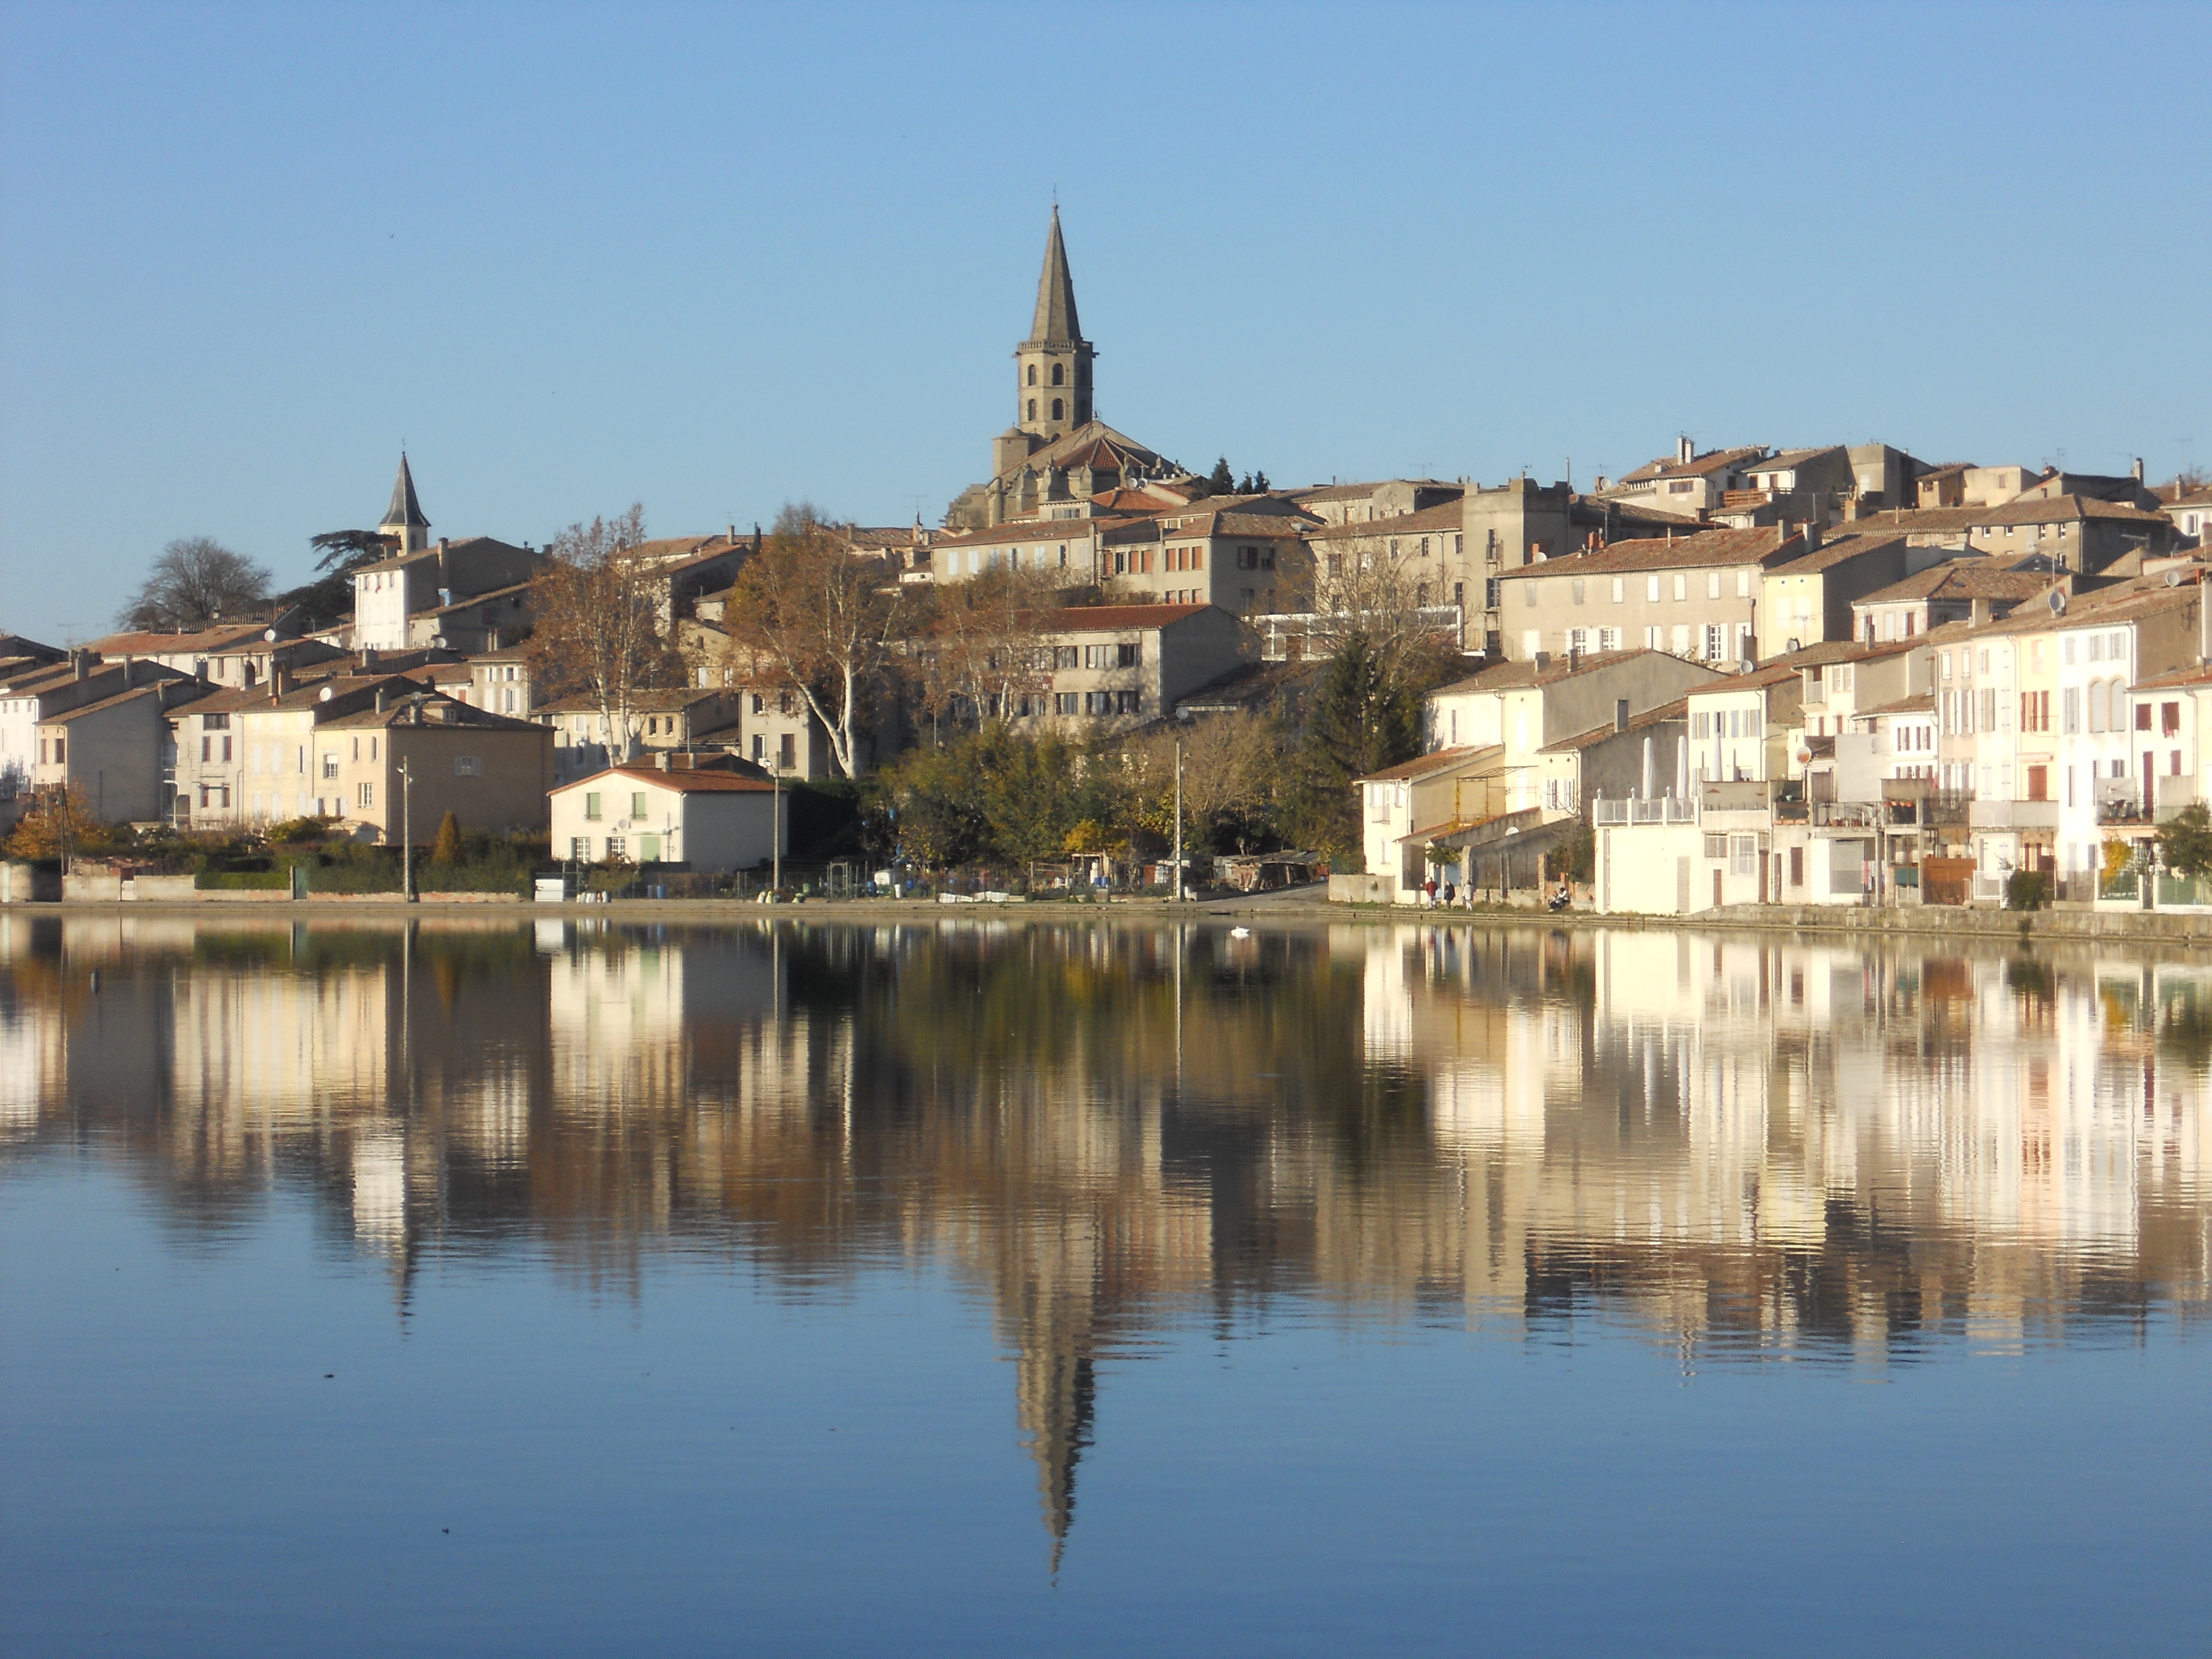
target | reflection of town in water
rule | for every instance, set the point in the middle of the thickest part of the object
(1744, 1146)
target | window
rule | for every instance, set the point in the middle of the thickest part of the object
(1619, 590)
(1713, 645)
(1651, 590)
(1067, 702)
(1055, 409)
(1796, 866)
(1060, 374)
(1032, 373)
(579, 848)
(637, 805)
(368, 795)
(1578, 587)
(468, 766)
(617, 849)
(2069, 708)
(1712, 583)
(2039, 783)
(1066, 656)
(1746, 851)
(787, 757)
(1701, 727)
(1491, 591)
(591, 803)
(2169, 719)
(1743, 584)
(1715, 847)
(1681, 585)
(1033, 408)
(330, 764)
(1529, 595)
(1608, 639)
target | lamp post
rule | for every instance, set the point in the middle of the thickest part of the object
(776, 825)
(1178, 850)
(406, 833)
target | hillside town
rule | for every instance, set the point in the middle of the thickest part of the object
(1826, 674)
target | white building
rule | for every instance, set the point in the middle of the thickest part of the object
(711, 821)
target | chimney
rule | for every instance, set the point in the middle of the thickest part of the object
(379, 700)
(2138, 469)
(1781, 532)
(368, 660)
(280, 680)
(78, 668)
(1620, 713)
(660, 760)
(1811, 535)
(1684, 451)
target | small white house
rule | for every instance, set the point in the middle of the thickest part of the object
(712, 820)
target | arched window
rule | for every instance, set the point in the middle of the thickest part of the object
(2118, 691)
(2096, 705)
(1032, 373)
(1055, 409)
(1033, 408)
(1059, 373)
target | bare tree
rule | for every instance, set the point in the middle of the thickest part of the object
(196, 581)
(980, 644)
(821, 617)
(1366, 590)
(599, 629)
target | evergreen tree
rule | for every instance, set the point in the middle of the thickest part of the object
(1221, 481)
(448, 849)
(1363, 719)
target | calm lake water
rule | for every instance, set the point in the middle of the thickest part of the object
(542, 1288)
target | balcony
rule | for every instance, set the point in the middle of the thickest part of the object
(1662, 809)
(2013, 815)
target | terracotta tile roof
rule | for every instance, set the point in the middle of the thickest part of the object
(1962, 579)
(2175, 679)
(210, 642)
(1522, 672)
(1837, 548)
(1924, 703)
(1022, 531)
(439, 712)
(683, 781)
(454, 544)
(1783, 460)
(1713, 460)
(1708, 547)
(655, 702)
(1099, 619)
(68, 714)
(1354, 492)
(251, 698)
(1448, 516)
(1677, 710)
(1443, 760)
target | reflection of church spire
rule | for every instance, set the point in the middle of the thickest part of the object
(1056, 1397)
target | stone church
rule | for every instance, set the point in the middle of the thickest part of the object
(1057, 457)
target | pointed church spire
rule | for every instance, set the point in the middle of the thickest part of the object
(1055, 323)
(404, 516)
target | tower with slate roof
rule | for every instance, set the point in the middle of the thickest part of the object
(1053, 365)
(402, 520)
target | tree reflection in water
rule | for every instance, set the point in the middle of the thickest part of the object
(1746, 1147)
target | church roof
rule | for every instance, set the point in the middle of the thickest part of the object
(1055, 323)
(404, 508)
(1094, 445)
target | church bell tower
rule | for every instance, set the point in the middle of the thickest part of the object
(1053, 366)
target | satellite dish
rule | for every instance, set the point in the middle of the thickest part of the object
(323, 695)
(1793, 645)
(269, 633)
(2058, 601)
(2174, 578)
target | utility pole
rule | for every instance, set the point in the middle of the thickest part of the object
(776, 825)
(406, 833)
(1178, 853)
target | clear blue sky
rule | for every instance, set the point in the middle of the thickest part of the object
(713, 258)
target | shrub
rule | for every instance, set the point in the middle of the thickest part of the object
(2028, 889)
